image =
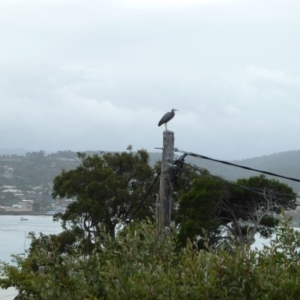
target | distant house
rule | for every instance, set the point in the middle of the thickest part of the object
(8, 187)
(11, 191)
(17, 206)
(28, 201)
(19, 195)
(59, 209)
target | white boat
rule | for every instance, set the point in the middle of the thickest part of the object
(23, 219)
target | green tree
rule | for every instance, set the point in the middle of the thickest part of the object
(198, 209)
(240, 213)
(105, 189)
(134, 265)
(8, 198)
(254, 210)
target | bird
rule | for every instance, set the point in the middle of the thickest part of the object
(167, 117)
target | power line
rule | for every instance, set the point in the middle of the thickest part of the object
(235, 165)
(144, 198)
(250, 189)
(9, 295)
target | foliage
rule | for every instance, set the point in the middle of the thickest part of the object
(219, 208)
(134, 265)
(197, 209)
(105, 189)
(88, 260)
(280, 192)
(8, 198)
(285, 163)
(182, 179)
(258, 210)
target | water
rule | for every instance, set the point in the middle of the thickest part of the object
(13, 233)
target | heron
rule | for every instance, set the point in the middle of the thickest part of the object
(167, 117)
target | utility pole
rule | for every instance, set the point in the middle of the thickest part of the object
(166, 187)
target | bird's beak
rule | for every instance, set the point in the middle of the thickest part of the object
(176, 109)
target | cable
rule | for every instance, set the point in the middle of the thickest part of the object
(253, 190)
(235, 165)
(140, 204)
(250, 189)
(9, 295)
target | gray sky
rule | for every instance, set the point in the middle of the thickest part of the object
(99, 75)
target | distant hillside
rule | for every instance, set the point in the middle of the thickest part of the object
(283, 163)
(16, 151)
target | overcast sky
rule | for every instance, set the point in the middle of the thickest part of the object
(99, 75)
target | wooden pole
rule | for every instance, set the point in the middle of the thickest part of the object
(166, 188)
(157, 216)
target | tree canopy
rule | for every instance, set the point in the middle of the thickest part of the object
(134, 265)
(105, 190)
(236, 210)
(92, 260)
(197, 208)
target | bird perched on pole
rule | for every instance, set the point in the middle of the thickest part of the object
(167, 117)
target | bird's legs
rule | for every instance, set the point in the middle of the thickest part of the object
(166, 126)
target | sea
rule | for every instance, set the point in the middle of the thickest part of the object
(14, 239)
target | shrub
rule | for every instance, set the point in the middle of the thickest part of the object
(135, 265)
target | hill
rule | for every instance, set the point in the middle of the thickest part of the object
(15, 151)
(283, 163)
(37, 167)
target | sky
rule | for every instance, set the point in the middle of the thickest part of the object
(100, 74)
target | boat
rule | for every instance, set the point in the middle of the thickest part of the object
(23, 219)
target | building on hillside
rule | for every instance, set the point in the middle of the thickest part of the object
(30, 202)
(8, 187)
(60, 209)
(18, 206)
(10, 190)
(19, 195)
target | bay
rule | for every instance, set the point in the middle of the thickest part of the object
(13, 237)
(14, 232)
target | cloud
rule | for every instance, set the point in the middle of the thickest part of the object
(100, 75)
(214, 111)
(273, 76)
(167, 3)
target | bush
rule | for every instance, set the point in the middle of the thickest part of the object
(134, 265)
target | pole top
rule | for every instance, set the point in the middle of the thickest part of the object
(168, 132)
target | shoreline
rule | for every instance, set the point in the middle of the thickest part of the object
(23, 213)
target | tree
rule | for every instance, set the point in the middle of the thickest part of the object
(182, 179)
(254, 209)
(8, 198)
(105, 189)
(135, 266)
(197, 209)
(235, 211)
